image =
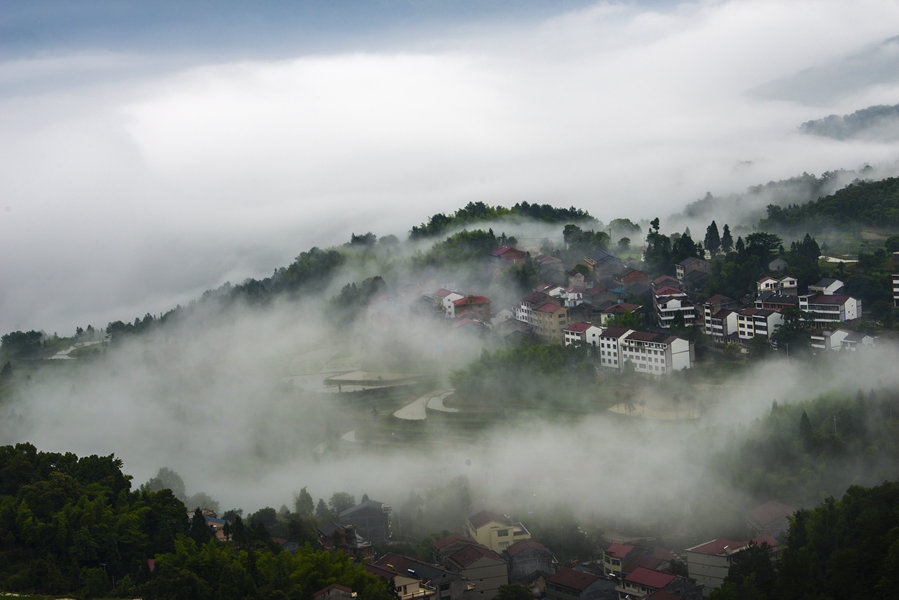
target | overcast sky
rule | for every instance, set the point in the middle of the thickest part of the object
(149, 151)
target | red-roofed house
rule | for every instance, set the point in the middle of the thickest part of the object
(446, 298)
(576, 333)
(708, 563)
(770, 518)
(509, 255)
(472, 307)
(485, 570)
(643, 581)
(527, 559)
(568, 584)
(620, 308)
(495, 531)
(613, 558)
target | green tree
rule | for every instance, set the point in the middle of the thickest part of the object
(303, 503)
(340, 501)
(199, 531)
(712, 238)
(727, 242)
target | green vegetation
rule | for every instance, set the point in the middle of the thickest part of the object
(806, 452)
(846, 548)
(868, 203)
(538, 376)
(73, 525)
(475, 212)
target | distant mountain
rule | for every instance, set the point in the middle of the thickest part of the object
(875, 122)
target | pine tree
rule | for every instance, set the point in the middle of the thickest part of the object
(727, 242)
(712, 239)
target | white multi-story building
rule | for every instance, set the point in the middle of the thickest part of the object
(446, 298)
(757, 321)
(669, 302)
(721, 326)
(610, 346)
(895, 290)
(825, 308)
(655, 353)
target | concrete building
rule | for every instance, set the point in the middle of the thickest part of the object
(830, 308)
(495, 531)
(670, 302)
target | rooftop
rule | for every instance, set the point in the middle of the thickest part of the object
(649, 578)
(484, 517)
(579, 327)
(522, 545)
(576, 580)
(619, 550)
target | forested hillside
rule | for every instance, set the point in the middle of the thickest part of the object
(868, 203)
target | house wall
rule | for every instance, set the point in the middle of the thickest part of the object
(681, 355)
(709, 570)
(486, 575)
(526, 563)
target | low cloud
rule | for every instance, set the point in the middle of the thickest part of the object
(148, 180)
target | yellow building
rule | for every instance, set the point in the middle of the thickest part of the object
(550, 322)
(496, 532)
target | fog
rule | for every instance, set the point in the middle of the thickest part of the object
(140, 166)
(234, 398)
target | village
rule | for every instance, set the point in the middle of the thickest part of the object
(624, 318)
(626, 315)
(492, 552)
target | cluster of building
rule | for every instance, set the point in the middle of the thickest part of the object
(493, 550)
(576, 307)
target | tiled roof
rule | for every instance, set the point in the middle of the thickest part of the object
(619, 550)
(576, 580)
(667, 291)
(621, 307)
(443, 292)
(535, 297)
(646, 336)
(469, 300)
(579, 327)
(717, 546)
(549, 307)
(470, 554)
(453, 538)
(614, 332)
(480, 519)
(721, 314)
(649, 578)
(522, 545)
(824, 299)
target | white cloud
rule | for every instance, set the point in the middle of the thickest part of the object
(239, 166)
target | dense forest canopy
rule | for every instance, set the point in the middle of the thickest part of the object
(868, 203)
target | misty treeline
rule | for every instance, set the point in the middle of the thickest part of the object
(74, 525)
(475, 212)
(881, 121)
(804, 452)
(846, 548)
(861, 203)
